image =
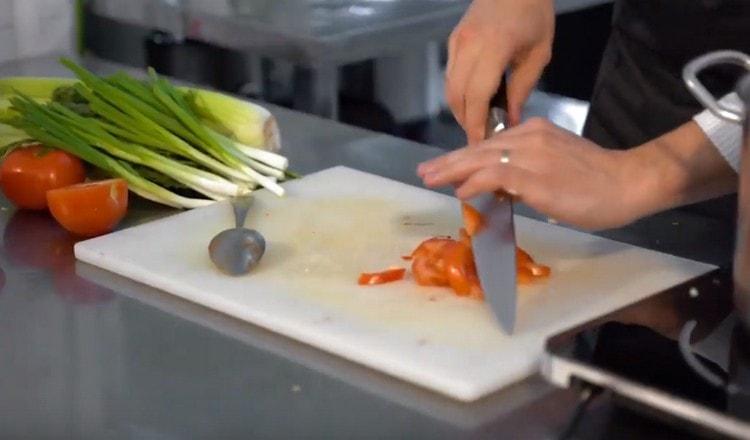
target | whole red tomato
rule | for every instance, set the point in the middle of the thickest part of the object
(27, 173)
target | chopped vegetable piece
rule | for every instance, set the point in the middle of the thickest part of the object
(430, 246)
(524, 275)
(27, 173)
(90, 209)
(459, 267)
(450, 263)
(464, 237)
(387, 276)
(539, 271)
(473, 221)
(428, 273)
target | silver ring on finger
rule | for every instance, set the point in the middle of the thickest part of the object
(505, 156)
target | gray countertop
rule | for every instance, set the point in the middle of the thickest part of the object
(87, 354)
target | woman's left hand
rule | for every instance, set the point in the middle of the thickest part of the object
(557, 173)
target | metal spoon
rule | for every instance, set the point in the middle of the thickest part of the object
(238, 250)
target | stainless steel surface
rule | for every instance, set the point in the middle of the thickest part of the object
(495, 256)
(694, 67)
(494, 245)
(238, 250)
(670, 314)
(87, 354)
(741, 115)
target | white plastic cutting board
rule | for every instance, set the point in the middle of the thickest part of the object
(334, 224)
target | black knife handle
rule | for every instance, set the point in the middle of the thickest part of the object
(500, 99)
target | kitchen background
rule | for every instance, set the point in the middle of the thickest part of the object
(396, 89)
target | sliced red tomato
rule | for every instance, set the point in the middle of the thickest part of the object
(27, 173)
(473, 221)
(528, 269)
(464, 237)
(524, 275)
(539, 270)
(476, 289)
(459, 266)
(450, 263)
(387, 276)
(90, 209)
(430, 246)
(427, 273)
(523, 258)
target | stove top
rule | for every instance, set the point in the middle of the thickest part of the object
(682, 355)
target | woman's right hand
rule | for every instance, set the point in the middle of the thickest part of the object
(492, 36)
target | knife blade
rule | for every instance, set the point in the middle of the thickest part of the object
(494, 245)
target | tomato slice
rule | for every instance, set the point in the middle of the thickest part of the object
(464, 237)
(27, 173)
(524, 275)
(387, 276)
(430, 246)
(445, 262)
(90, 209)
(427, 273)
(523, 258)
(459, 265)
(473, 221)
(539, 270)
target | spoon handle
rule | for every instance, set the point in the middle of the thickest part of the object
(241, 205)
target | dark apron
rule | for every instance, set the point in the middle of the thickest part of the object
(639, 94)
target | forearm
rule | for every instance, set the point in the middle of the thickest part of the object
(678, 168)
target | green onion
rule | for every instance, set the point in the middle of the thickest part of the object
(151, 134)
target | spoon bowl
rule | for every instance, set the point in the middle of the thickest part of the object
(238, 250)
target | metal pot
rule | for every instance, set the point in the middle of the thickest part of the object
(737, 115)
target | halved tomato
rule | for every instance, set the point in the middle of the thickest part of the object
(387, 276)
(89, 209)
(27, 173)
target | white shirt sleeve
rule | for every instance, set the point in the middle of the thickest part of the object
(725, 135)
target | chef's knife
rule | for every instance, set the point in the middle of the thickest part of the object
(494, 245)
